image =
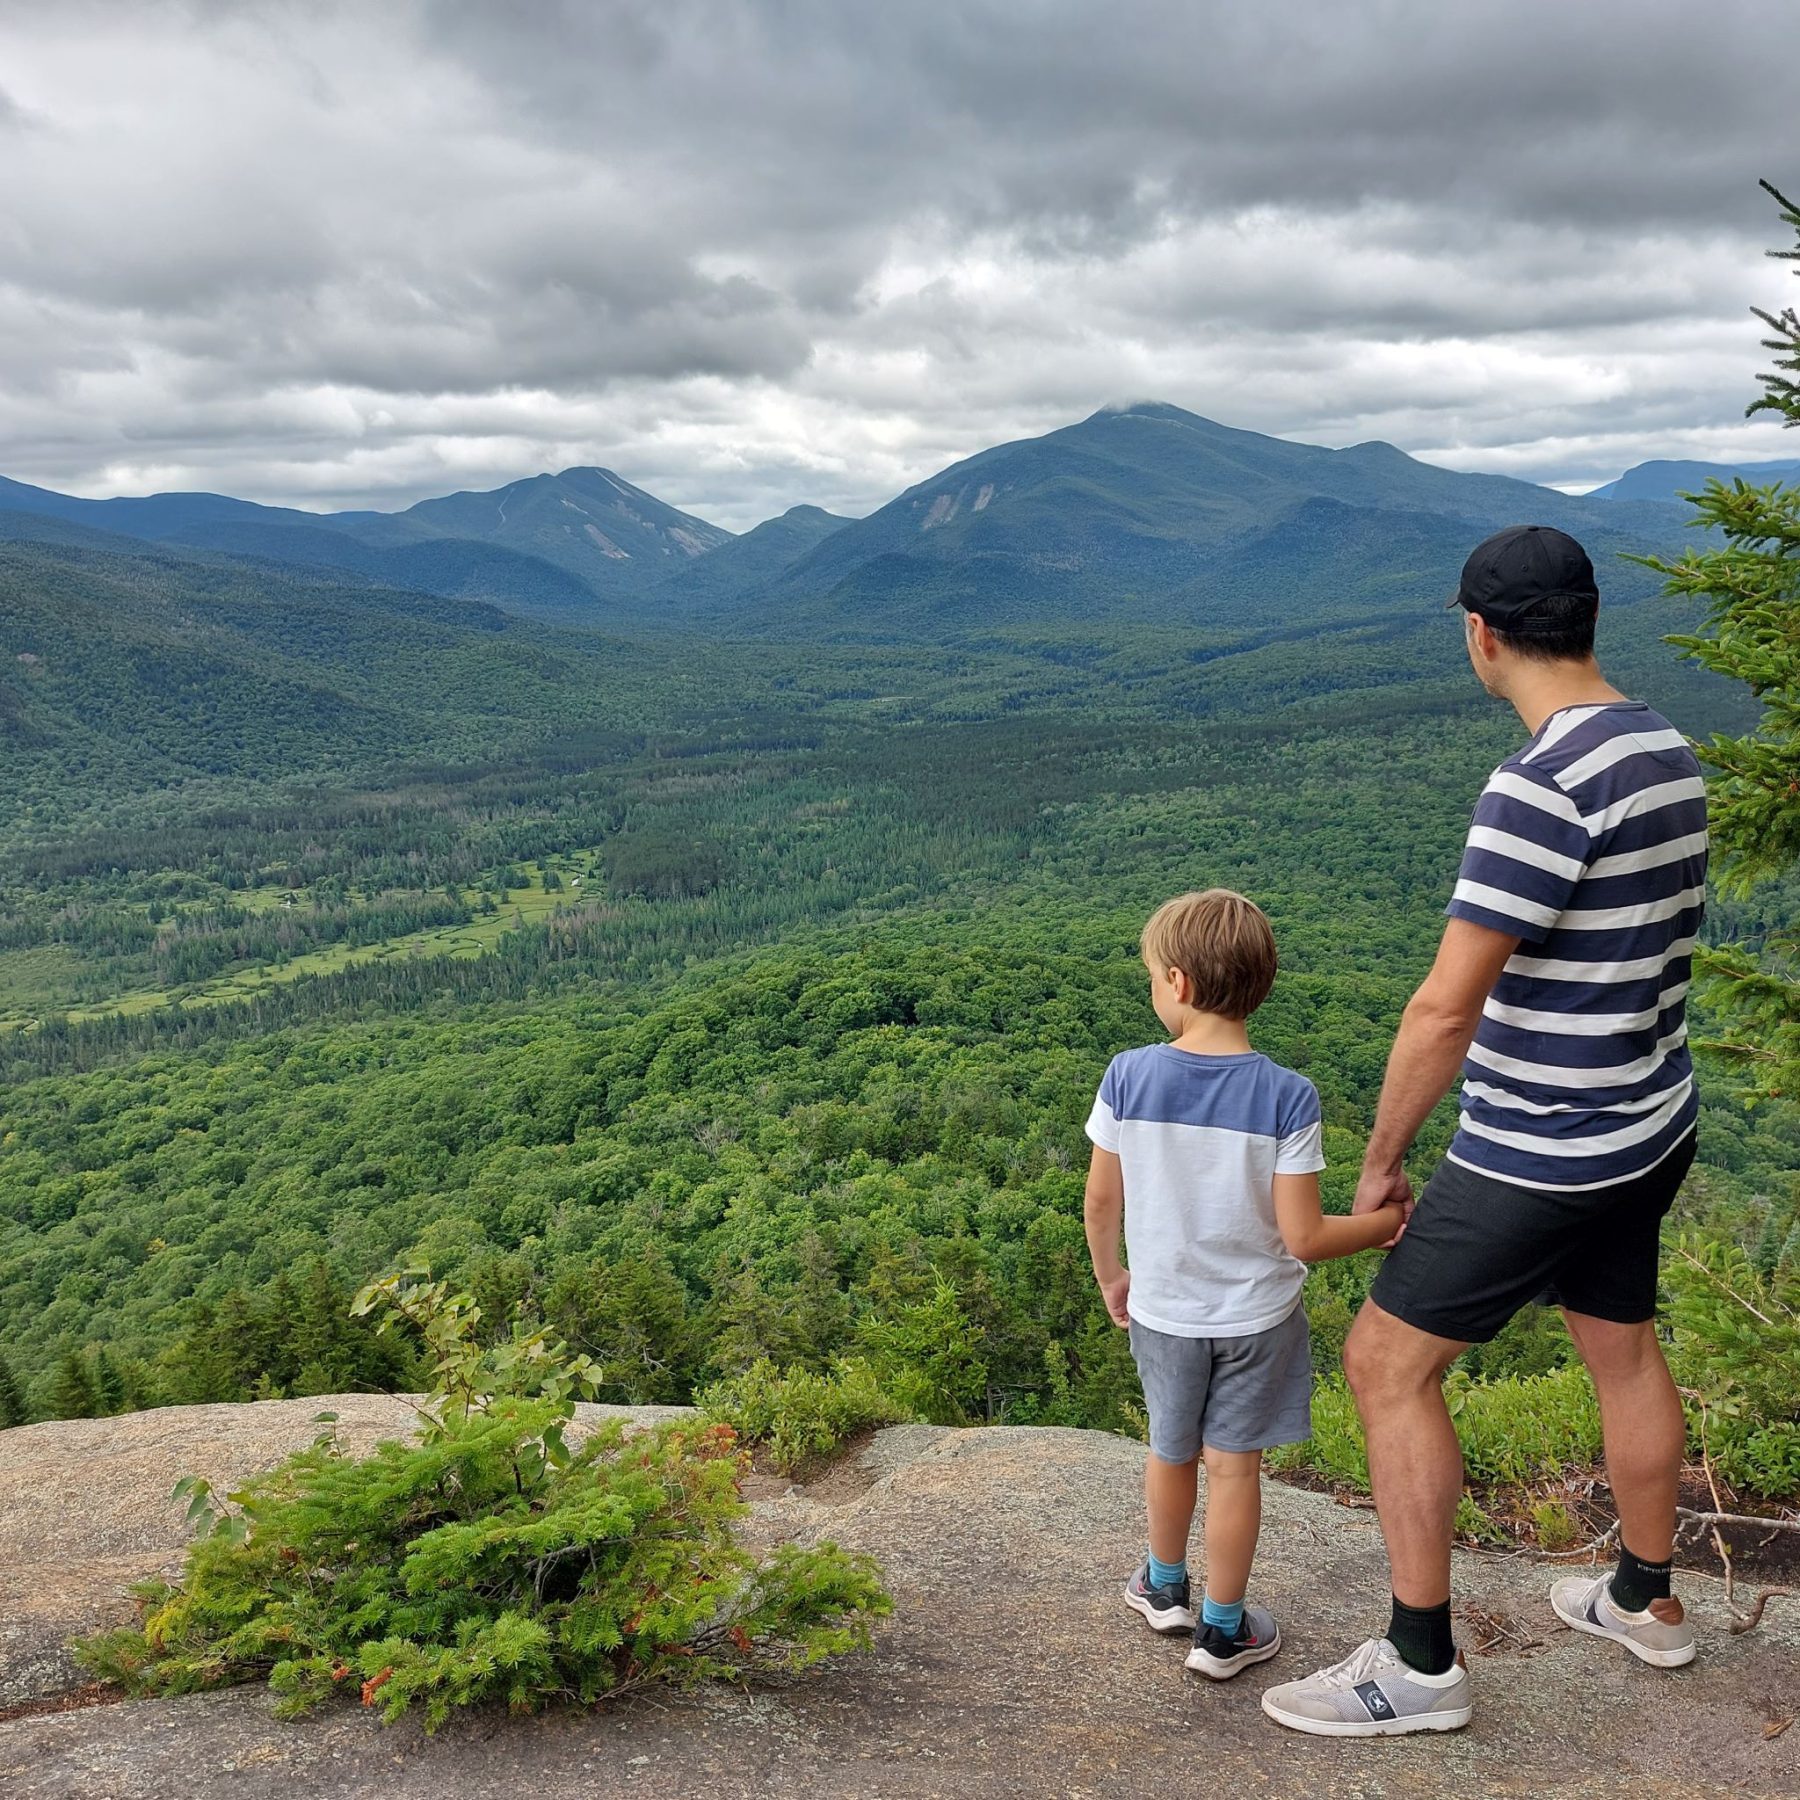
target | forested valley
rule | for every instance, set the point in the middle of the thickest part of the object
(728, 1006)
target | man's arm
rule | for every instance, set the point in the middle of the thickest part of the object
(1103, 1213)
(1435, 1032)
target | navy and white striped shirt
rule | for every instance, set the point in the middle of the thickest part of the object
(1590, 846)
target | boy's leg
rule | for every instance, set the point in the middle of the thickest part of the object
(1229, 1636)
(1233, 1519)
(1169, 1492)
(1174, 1373)
(1262, 1394)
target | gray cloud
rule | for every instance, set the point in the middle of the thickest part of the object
(786, 250)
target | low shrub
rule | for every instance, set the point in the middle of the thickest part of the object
(1335, 1452)
(1554, 1526)
(490, 1560)
(799, 1414)
(1514, 1431)
(1518, 1429)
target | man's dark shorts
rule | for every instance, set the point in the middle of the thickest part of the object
(1478, 1249)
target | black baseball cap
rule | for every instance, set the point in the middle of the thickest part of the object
(1509, 573)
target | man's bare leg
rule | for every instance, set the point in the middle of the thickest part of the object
(1646, 1436)
(1415, 1463)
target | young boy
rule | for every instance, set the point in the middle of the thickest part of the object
(1208, 1154)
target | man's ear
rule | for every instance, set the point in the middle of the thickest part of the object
(1481, 637)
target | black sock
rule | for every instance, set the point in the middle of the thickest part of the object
(1422, 1636)
(1636, 1582)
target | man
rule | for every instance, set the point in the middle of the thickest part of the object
(1561, 979)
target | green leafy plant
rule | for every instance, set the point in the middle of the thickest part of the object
(1513, 1432)
(206, 1514)
(1554, 1526)
(492, 1560)
(1475, 1525)
(1736, 1354)
(799, 1414)
(929, 1356)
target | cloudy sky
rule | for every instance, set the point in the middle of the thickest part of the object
(753, 252)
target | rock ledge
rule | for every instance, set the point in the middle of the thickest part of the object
(1010, 1665)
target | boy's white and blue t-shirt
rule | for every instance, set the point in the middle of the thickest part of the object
(1201, 1140)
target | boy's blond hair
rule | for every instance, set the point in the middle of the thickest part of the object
(1222, 942)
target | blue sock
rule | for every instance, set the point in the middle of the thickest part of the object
(1227, 1618)
(1166, 1575)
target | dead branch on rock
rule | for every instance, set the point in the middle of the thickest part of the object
(1706, 1521)
(1741, 1621)
(1592, 1550)
(1497, 1633)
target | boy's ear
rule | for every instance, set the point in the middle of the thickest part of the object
(1181, 985)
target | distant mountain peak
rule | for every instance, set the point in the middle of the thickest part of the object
(1667, 480)
(1159, 412)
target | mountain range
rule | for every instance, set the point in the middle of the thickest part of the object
(1149, 513)
(1670, 480)
(552, 545)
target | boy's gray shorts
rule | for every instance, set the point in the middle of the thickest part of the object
(1228, 1393)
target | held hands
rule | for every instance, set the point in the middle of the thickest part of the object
(1401, 1215)
(1382, 1188)
(1114, 1293)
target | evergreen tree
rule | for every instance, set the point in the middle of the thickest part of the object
(631, 1316)
(71, 1393)
(109, 1384)
(748, 1322)
(929, 1357)
(1751, 587)
(13, 1410)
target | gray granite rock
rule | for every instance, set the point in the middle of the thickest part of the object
(1010, 1667)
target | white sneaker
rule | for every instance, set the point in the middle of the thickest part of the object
(1663, 1638)
(1373, 1692)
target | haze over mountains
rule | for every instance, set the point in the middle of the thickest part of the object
(1147, 513)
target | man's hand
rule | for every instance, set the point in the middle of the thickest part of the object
(1382, 1187)
(1385, 1187)
(1114, 1293)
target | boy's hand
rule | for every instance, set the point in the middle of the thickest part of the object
(1115, 1293)
(1402, 1212)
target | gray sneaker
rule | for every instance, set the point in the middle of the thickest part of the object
(1663, 1638)
(1166, 1609)
(1219, 1657)
(1372, 1693)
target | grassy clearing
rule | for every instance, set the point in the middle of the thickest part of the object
(522, 906)
(36, 980)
